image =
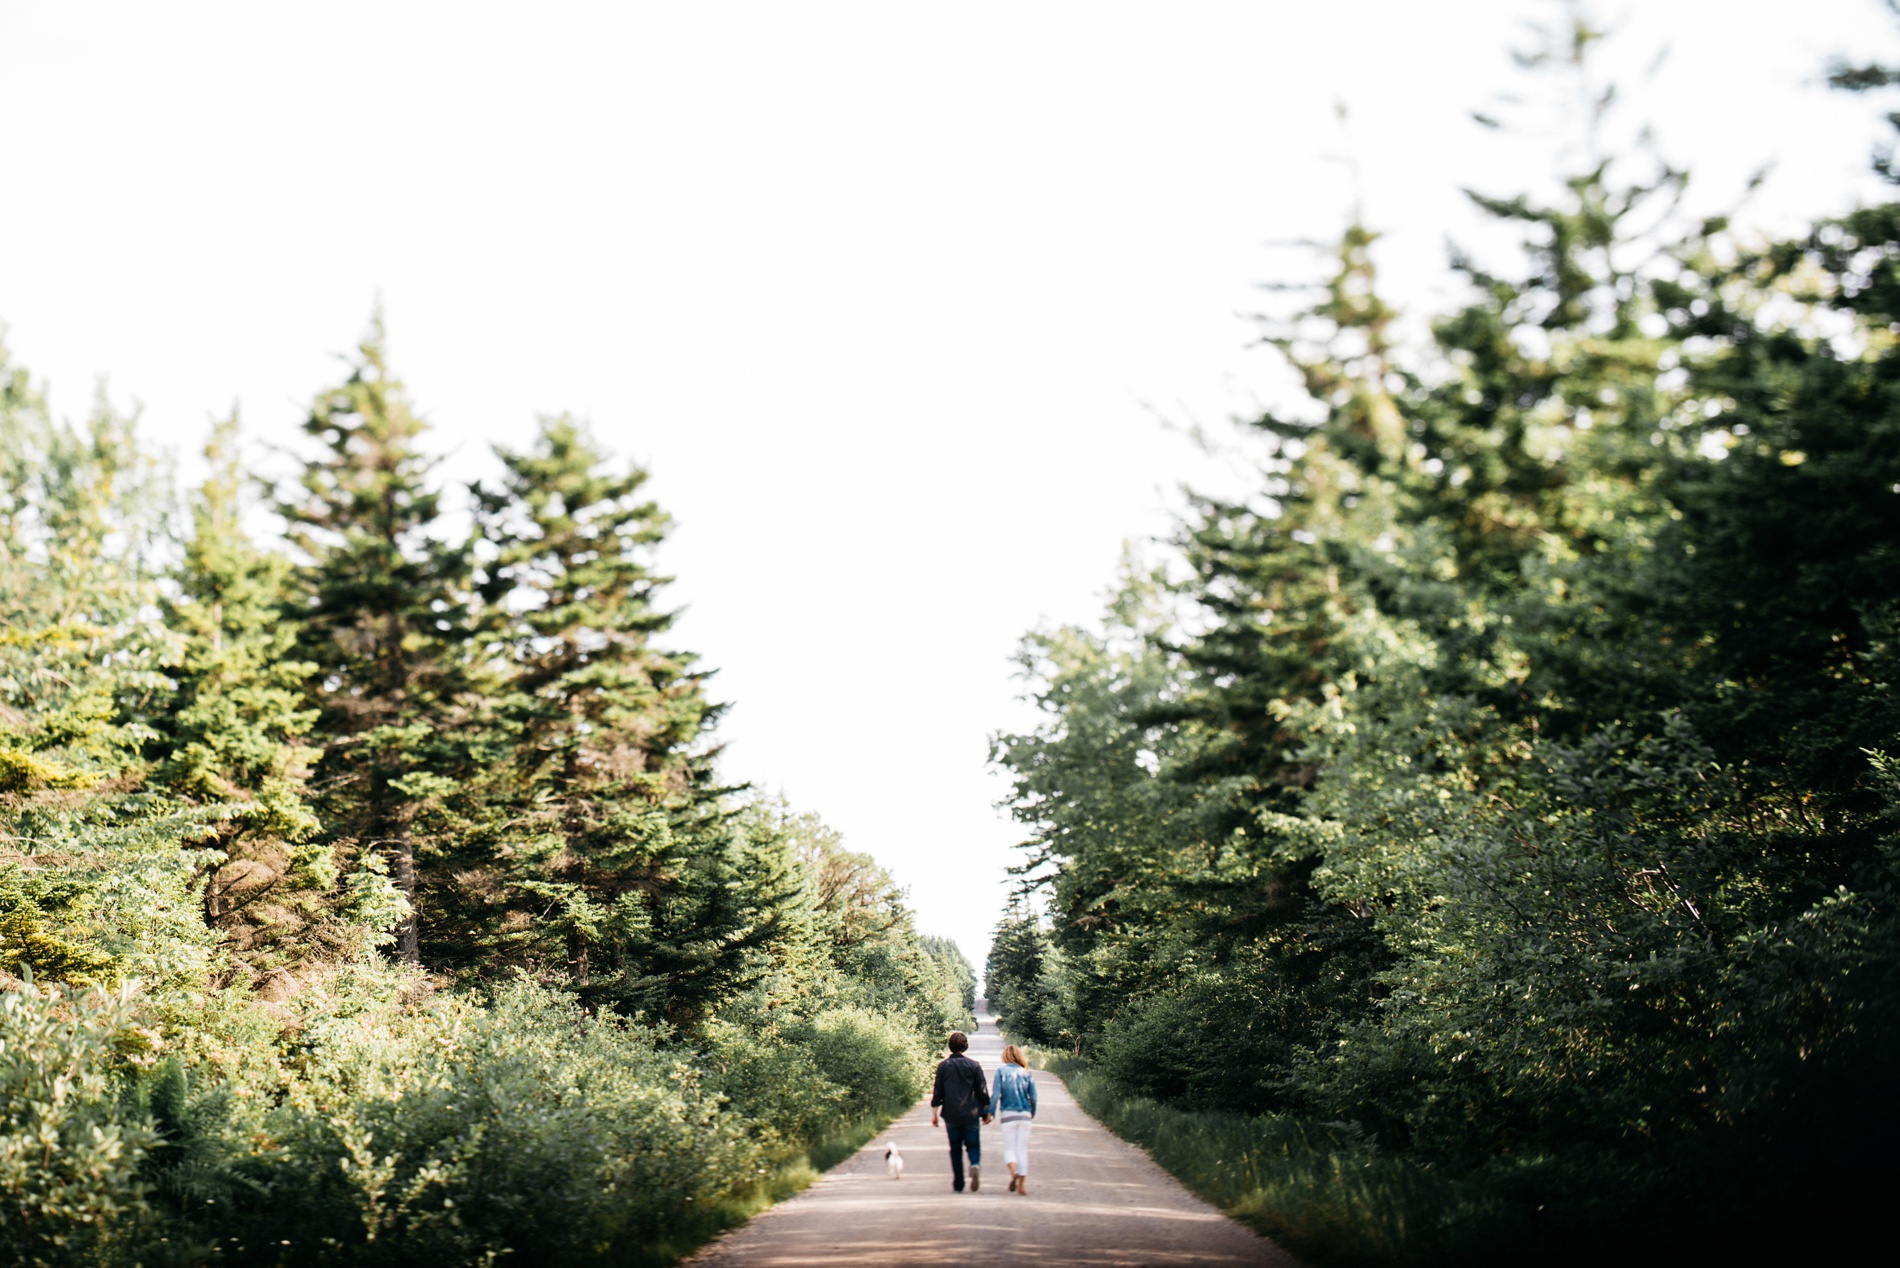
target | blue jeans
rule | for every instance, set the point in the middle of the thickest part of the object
(963, 1136)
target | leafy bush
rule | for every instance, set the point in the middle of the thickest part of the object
(449, 1132)
(1199, 1044)
(467, 1132)
(874, 1062)
(809, 1079)
(70, 1192)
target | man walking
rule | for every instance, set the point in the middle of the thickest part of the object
(963, 1095)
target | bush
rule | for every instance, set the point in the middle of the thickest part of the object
(1214, 1042)
(70, 1192)
(809, 1080)
(874, 1061)
(451, 1131)
(476, 1132)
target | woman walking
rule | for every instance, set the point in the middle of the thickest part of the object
(1015, 1109)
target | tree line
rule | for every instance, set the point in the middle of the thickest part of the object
(1500, 802)
(371, 894)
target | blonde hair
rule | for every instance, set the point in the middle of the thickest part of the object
(1014, 1056)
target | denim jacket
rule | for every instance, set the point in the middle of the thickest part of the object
(1015, 1093)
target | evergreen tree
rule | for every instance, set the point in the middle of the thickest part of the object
(957, 971)
(93, 885)
(156, 722)
(233, 741)
(1529, 735)
(612, 834)
(1791, 634)
(1015, 977)
(381, 602)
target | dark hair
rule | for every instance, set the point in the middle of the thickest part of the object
(958, 1041)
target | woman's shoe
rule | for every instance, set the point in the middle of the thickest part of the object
(1022, 1185)
(1013, 1182)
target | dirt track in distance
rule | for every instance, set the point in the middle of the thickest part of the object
(1093, 1200)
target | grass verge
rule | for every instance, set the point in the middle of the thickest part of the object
(1321, 1190)
(1327, 1193)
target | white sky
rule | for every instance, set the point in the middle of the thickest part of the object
(889, 297)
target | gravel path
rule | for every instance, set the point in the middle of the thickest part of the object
(1094, 1200)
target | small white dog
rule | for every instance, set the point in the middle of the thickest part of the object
(893, 1161)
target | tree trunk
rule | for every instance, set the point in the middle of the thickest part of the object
(577, 956)
(214, 897)
(401, 853)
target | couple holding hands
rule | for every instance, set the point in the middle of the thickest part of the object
(962, 1098)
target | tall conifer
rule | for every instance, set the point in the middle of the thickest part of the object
(382, 603)
(234, 739)
(92, 882)
(610, 773)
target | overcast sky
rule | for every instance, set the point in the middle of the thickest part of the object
(893, 299)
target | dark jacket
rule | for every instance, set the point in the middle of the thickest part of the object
(961, 1090)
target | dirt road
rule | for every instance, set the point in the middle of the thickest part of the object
(1093, 1200)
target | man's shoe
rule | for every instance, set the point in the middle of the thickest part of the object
(976, 1177)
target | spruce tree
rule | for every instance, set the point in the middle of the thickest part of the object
(381, 602)
(234, 741)
(93, 885)
(616, 836)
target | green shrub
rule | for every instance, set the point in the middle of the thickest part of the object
(805, 1082)
(877, 1063)
(385, 1131)
(1215, 1041)
(470, 1133)
(70, 1192)
(770, 1082)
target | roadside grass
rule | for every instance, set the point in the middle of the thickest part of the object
(1321, 1190)
(1331, 1196)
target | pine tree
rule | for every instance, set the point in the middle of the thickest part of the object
(234, 741)
(1550, 680)
(381, 602)
(93, 887)
(614, 824)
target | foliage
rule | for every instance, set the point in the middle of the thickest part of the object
(621, 1005)
(69, 1184)
(463, 1131)
(233, 736)
(380, 606)
(607, 816)
(1506, 779)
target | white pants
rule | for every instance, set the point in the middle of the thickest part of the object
(1016, 1143)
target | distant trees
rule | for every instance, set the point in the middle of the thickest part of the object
(1021, 976)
